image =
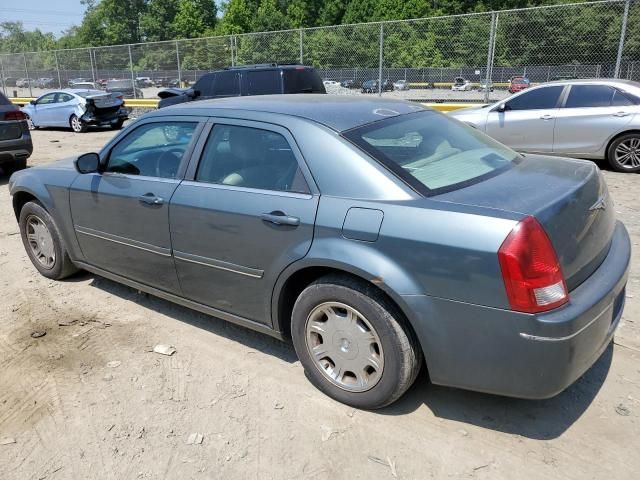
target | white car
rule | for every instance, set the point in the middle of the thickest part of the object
(461, 85)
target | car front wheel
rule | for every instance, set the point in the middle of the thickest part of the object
(43, 242)
(353, 343)
(624, 153)
(77, 125)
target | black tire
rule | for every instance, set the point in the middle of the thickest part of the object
(118, 125)
(402, 354)
(63, 266)
(618, 165)
(77, 125)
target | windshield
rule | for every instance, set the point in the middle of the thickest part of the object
(431, 151)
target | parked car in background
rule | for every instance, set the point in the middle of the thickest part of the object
(45, 83)
(382, 237)
(330, 83)
(101, 82)
(124, 86)
(371, 86)
(263, 79)
(71, 83)
(77, 109)
(23, 82)
(144, 82)
(10, 82)
(15, 139)
(461, 84)
(517, 84)
(86, 86)
(485, 86)
(594, 119)
(401, 85)
(163, 82)
(351, 84)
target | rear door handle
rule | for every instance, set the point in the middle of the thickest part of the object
(546, 117)
(151, 199)
(621, 114)
(280, 218)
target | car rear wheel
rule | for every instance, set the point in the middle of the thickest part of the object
(117, 125)
(624, 153)
(43, 242)
(353, 343)
(77, 125)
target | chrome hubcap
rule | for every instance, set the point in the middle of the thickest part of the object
(344, 346)
(628, 153)
(41, 242)
(75, 124)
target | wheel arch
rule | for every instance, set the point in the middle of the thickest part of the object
(21, 198)
(615, 137)
(297, 277)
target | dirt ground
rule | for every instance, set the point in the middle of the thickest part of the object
(90, 400)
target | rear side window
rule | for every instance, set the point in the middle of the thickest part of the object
(537, 99)
(304, 80)
(263, 82)
(582, 96)
(227, 84)
(250, 158)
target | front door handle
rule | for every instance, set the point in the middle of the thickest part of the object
(546, 117)
(151, 199)
(621, 114)
(280, 218)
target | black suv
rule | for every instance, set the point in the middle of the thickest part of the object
(263, 79)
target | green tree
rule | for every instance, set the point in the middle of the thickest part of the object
(195, 18)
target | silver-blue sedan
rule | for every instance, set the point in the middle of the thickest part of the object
(380, 236)
(77, 109)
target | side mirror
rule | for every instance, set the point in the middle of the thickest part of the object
(32, 102)
(502, 107)
(87, 163)
(194, 93)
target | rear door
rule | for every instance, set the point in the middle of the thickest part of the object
(528, 120)
(121, 216)
(242, 214)
(591, 115)
(61, 110)
(262, 82)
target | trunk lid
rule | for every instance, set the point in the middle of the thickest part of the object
(568, 197)
(105, 100)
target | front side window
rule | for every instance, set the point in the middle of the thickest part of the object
(431, 151)
(251, 158)
(152, 150)
(538, 99)
(227, 84)
(583, 96)
(47, 99)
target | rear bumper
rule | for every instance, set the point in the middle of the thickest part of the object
(16, 150)
(521, 355)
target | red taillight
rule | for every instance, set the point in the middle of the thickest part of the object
(530, 269)
(15, 115)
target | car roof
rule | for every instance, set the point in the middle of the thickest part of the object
(338, 112)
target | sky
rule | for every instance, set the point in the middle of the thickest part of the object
(47, 15)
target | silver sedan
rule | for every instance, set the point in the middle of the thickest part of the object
(594, 119)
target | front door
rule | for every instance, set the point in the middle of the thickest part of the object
(42, 115)
(528, 120)
(242, 217)
(121, 216)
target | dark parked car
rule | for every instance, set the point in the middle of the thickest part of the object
(371, 86)
(381, 236)
(351, 83)
(10, 82)
(166, 82)
(265, 79)
(124, 86)
(15, 139)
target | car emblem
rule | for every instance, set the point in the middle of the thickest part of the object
(601, 204)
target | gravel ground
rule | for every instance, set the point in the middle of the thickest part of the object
(90, 400)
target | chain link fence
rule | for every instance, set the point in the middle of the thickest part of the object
(468, 57)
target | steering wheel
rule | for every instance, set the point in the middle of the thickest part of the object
(173, 155)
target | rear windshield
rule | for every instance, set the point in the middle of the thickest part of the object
(304, 80)
(432, 152)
